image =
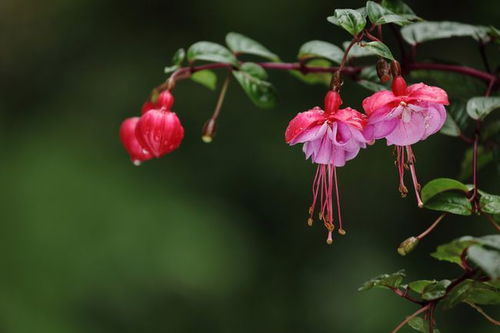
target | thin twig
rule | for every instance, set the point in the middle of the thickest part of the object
(478, 309)
(433, 225)
(410, 317)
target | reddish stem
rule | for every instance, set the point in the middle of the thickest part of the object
(433, 225)
(410, 317)
(469, 71)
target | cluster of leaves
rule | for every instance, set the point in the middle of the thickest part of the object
(479, 285)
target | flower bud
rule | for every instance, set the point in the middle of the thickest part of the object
(383, 70)
(208, 131)
(129, 141)
(399, 86)
(159, 131)
(395, 68)
(332, 101)
(407, 246)
(163, 100)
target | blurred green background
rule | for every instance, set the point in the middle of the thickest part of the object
(212, 238)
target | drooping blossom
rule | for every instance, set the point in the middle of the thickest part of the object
(404, 116)
(159, 131)
(129, 141)
(330, 137)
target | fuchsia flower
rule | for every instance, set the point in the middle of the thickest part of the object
(330, 137)
(403, 117)
(129, 140)
(159, 130)
(156, 133)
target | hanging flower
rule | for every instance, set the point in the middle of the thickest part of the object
(159, 131)
(129, 141)
(403, 117)
(330, 137)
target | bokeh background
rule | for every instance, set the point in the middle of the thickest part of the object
(212, 238)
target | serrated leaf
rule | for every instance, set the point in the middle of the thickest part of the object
(315, 78)
(178, 57)
(209, 51)
(321, 49)
(420, 325)
(435, 290)
(252, 80)
(452, 251)
(351, 20)
(419, 285)
(239, 43)
(380, 49)
(206, 78)
(381, 15)
(488, 260)
(480, 107)
(384, 281)
(440, 185)
(450, 127)
(426, 31)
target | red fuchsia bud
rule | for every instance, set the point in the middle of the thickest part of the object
(399, 86)
(164, 100)
(332, 102)
(129, 140)
(159, 132)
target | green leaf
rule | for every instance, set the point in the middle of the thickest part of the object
(484, 157)
(419, 285)
(426, 31)
(452, 251)
(206, 78)
(209, 51)
(483, 293)
(321, 49)
(492, 241)
(178, 57)
(239, 43)
(439, 185)
(489, 203)
(399, 7)
(487, 259)
(420, 325)
(252, 79)
(435, 290)
(357, 50)
(351, 20)
(380, 49)
(450, 202)
(450, 127)
(170, 69)
(381, 15)
(480, 107)
(384, 281)
(315, 78)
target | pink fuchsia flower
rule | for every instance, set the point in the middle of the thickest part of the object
(404, 116)
(330, 137)
(129, 141)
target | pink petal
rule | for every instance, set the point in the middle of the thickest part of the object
(310, 134)
(324, 154)
(381, 129)
(338, 157)
(379, 100)
(351, 117)
(302, 122)
(423, 92)
(341, 134)
(408, 133)
(434, 119)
